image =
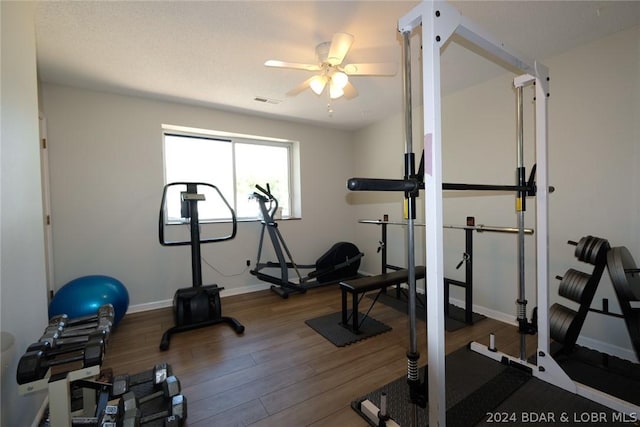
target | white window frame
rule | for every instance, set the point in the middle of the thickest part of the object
(292, 147)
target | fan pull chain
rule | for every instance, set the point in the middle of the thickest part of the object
(329, 107)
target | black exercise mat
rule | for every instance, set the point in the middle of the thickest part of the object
(452, 322)
(473, 380)
(610, 374)
(329, 326)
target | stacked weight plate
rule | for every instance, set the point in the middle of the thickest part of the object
(625, 277)
(579, 287)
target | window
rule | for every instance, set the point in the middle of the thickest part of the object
(233, 163)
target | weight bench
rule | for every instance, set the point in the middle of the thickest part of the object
(355, 287)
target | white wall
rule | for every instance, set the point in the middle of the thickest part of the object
(107, 179)
(22, 275)
(593, 156)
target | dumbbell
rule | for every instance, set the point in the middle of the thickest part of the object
(176, 413)
(66, 327)
(59, 330)
(133, 418)
(52, 345)
(174, 421)
(122, 383)
(170, 388)
(105, 311)
(33, 365)
(129, 404)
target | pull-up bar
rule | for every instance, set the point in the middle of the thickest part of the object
(411, 185)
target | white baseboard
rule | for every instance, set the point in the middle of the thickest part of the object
(138, 308)
(612, 350)
(492, 314)
(601, 346)
(591, 343)
(245, 289)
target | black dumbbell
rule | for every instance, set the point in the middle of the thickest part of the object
(174, 421)
(129, 412)
(129, 405)
(63, 320)
(33, 365)
(170, 388)
(177, 411)
(122, 383)
(53, 345)
(63, 326)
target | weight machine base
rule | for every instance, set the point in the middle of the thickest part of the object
(482, 391)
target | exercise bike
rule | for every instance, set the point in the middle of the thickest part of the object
(197, 306)
(340, 262)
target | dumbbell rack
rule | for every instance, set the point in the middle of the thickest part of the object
(59, 389)
(38, 367)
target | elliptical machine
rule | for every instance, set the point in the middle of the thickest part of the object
(340, 262)
(197, 306)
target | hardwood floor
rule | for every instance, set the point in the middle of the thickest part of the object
(280, 372)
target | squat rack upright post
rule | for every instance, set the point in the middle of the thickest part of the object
(439, 22)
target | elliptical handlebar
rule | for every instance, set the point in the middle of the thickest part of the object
(194, 215)
(265, 197)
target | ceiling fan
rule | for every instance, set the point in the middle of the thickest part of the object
(331, 71)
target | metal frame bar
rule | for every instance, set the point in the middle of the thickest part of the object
(439, 22)
(59, 392)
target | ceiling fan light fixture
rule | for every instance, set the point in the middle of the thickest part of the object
(339, 79)
(317, 84)
(335, 91)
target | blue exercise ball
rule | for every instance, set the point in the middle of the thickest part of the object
(84, 295)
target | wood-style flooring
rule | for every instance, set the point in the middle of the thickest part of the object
(280, 372)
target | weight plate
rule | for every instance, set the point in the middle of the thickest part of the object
(576, 283)
(581, 284)
(595, 255)
(580, 247)
(601, 256)
(560, 320)
(564, 290)
(556, 323)
(586, 257)
(626, 282)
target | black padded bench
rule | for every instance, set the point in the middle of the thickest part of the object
(362, 285)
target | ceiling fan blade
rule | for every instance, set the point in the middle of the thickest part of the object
(300, 88)
(340, 45)
(295, 65)
(350, 91)
(374, 69)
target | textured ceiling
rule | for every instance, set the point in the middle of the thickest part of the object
(212, 52)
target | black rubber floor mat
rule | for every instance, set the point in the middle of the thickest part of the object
(329, 326)
(471, 382)
(610, 374)
(473, 408)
